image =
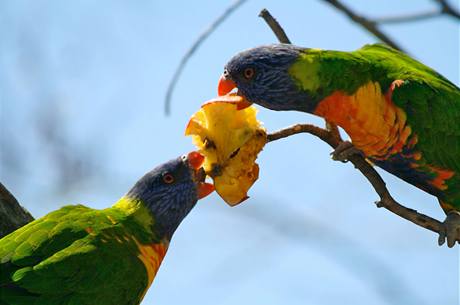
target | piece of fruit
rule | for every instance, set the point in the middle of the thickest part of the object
(230, 140)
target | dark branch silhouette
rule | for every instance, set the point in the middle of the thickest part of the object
(448, 9)
(368, 24)
(408, 17)
(12, 214)
(372, 25)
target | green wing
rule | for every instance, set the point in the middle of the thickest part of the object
(432, 106)
(393, 64)
(75, 255)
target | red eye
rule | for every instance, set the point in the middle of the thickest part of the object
(248, 73)
(168, 178)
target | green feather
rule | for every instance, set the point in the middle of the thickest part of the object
(74, 256)
(430, 101)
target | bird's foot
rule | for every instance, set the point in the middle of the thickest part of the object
(344, 151)
(451, 229)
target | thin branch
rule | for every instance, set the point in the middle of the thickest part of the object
(448, 9)
(212, 27)
(368, 24)
(12, 214)
(409, 17)
(275, 26)
(386, 200)
(321, 133)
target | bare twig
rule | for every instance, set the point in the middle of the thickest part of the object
(275, 26)
(371, 25)
(444, 9)
(368, 24)
(212, 27)
(409, 17)
(386, 200)
(12, 214)
(448, 9)
(321, 133)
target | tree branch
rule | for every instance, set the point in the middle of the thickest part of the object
(368, 24)
(212, 27)
(12, 214)
(386, 200)
(409, 17)
(372, 25)
(448, 9)
(275, 26)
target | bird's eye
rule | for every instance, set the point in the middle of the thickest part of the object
(248, 73)
(168, 178)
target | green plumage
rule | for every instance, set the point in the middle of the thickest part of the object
(430, 101)
(76, 255)
(347, 71)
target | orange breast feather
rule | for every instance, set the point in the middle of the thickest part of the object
(376, 126)
(151, 256)
(379, 128)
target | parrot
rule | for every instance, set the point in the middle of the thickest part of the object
(77, 255)
(403, 116)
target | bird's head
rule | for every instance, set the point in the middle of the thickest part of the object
(262, 76)
(171, 190)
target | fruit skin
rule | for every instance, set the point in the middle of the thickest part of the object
(230, 139)
(79, 255)
(402, 114)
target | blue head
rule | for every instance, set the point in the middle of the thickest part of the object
(262, 76)
(171, 190)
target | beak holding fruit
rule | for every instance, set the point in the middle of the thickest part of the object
(225, 86)
(196, 161)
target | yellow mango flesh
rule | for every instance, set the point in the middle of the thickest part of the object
(230, 140)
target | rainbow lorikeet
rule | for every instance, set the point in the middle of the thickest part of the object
(82, 256)
(402, 115)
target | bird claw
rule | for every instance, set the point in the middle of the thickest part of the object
(451, 229)
(344, 151)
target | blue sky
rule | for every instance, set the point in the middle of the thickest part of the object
(95, 74)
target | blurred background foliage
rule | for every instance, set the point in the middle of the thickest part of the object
(82, 85)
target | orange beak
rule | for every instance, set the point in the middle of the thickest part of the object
(196, 160)
(204, 189)
(225, 86)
